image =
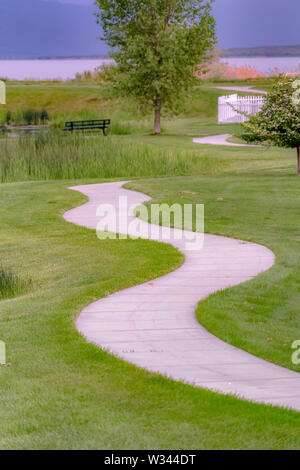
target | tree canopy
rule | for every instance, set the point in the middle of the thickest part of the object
(157, 45)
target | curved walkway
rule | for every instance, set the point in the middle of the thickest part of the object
(220, 140)
(153, 325)
(242, 89)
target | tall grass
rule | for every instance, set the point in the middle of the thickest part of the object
(11, 285)
(57, 155)
(25, 117)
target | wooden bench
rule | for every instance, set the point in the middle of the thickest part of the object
(101, 124)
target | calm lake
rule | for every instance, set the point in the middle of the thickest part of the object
(47, 69)
(67, 68)
(266, 64)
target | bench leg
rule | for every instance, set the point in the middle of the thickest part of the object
(104, 133)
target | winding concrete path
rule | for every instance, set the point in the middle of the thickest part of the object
(153, 325)
(242, 89)
(220, 139)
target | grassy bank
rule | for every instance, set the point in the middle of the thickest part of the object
(70, 101)
(65, 101)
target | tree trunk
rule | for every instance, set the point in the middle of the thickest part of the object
(157, 115)
(298, 155)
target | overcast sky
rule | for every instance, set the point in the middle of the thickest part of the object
(245, 23)
(39, 28)
(77, 2)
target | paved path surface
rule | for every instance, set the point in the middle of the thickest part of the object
(242, 89)
(220, 140)
(153, 325)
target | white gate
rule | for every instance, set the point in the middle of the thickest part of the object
(231, 107)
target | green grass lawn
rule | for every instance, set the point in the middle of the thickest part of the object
(60, 391)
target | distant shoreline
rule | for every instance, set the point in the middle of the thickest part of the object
(232, 53)
(260, 57)
(262, 51)
(68, 68)
(244, 56)
(102, 57)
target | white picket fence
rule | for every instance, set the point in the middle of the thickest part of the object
(231, 107)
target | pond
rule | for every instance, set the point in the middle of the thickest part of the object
(17, 132)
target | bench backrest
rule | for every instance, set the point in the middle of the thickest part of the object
(90, 123)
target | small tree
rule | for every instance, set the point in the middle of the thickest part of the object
(278, 122)
(157, 45)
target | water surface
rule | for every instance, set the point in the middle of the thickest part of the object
(67, 68)
(266, 64)
(51, 69)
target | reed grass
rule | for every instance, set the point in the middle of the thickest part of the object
(26, 117)
(11, 285)
(56, 155)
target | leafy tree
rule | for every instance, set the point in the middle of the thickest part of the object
(279, 120)
(157, 45)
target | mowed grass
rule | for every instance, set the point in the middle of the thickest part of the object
(61, 392)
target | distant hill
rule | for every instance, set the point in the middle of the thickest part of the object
(263, 51)
(35, 28)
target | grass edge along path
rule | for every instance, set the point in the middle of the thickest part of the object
(248, 316)
(201, 359)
